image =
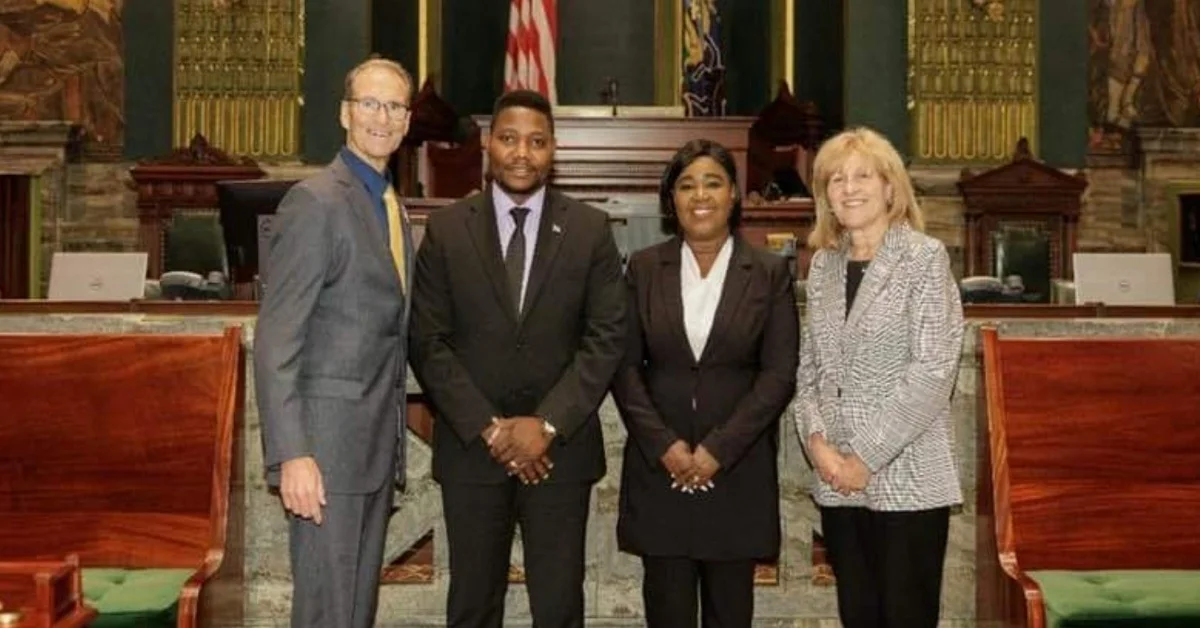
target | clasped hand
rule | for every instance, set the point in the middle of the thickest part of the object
(845, 473)
(520, 444)
(690, 470)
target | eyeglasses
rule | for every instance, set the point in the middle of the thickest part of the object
(395, 110)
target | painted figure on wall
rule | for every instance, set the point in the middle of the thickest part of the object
(703, 62)
(1129, 53)
(62, 60)
(1145, 70)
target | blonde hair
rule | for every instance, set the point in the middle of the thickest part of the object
(376, 62)
(883, 158)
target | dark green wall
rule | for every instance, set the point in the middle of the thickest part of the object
(818, 57)
(395, 32)
(337, 37)
(598, 40)
(1063, 82)
(149, 69)
(746, 30)
(876, 57)
(865, 37)
(474, 33)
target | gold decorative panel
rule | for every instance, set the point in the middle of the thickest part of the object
(238, 66)
(972, 78)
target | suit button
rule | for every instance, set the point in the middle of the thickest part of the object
(695, 368)
(520, 346)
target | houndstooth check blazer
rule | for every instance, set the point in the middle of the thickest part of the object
(878, 382)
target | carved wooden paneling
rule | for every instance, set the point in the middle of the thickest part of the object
(46, 594)
(1023, 191)
(598, 156)
(183, 181)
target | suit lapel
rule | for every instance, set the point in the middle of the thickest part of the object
(363, 209)
(671, 295)
(410, 258)
(485, 235)
(832, 304)
(876, 277)
(737, 278)
(552, 229)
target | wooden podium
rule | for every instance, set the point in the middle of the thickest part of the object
(46, 594)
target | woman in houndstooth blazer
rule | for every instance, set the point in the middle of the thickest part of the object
(878, 357)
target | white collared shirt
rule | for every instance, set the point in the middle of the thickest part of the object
(702, 294)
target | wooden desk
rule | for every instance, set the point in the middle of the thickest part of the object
(605, 156)
(49, 594)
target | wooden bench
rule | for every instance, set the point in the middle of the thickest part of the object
(44, 594)
(1095, 468)
(122, 449)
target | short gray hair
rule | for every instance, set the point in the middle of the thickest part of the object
(376, 62)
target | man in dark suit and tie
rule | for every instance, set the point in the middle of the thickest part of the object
(329, 356)
(518, 326)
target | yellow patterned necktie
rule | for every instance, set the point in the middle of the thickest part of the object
(395, 233)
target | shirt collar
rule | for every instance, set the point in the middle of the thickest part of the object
(503, 203)
(375, 181)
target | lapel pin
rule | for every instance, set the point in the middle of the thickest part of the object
(555, 228)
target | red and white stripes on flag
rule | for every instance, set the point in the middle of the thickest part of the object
(532, 33)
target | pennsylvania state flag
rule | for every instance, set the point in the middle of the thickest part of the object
(703, 64)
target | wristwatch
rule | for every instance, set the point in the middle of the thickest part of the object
(548, 429)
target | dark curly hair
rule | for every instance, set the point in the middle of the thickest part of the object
(527, 99)
(690, 152)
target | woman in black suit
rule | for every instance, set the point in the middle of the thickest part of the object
(710, 365)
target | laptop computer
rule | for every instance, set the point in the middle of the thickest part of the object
(1124, 279)
(97, 276)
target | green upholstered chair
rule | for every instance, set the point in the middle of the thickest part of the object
(1120, 599)
(195, 244)
(134, 598)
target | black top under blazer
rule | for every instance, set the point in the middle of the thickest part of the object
(729, 401)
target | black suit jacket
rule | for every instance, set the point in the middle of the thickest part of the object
(475, 359)
(729, 401)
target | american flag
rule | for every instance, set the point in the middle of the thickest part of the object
(532, 33)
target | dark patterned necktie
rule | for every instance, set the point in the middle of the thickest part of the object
(514, 257)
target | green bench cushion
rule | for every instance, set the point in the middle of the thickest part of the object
(1120, 599)
(142, 598)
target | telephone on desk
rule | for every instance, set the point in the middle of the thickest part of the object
(183, 285)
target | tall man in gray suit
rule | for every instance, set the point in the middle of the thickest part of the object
(330, 356)
(518, 327)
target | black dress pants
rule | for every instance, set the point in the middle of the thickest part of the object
(725, 587)
(888, 565)
(480, 523)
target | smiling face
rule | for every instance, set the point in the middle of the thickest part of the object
(520, 151)
(859, 195)
(375, 135)
(703, 196)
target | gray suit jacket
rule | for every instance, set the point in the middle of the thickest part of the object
(878, 382)
(329, 350)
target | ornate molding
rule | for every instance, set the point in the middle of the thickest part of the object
(33, 147)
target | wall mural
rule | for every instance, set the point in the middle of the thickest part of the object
(62, 60)
(1144, 67)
